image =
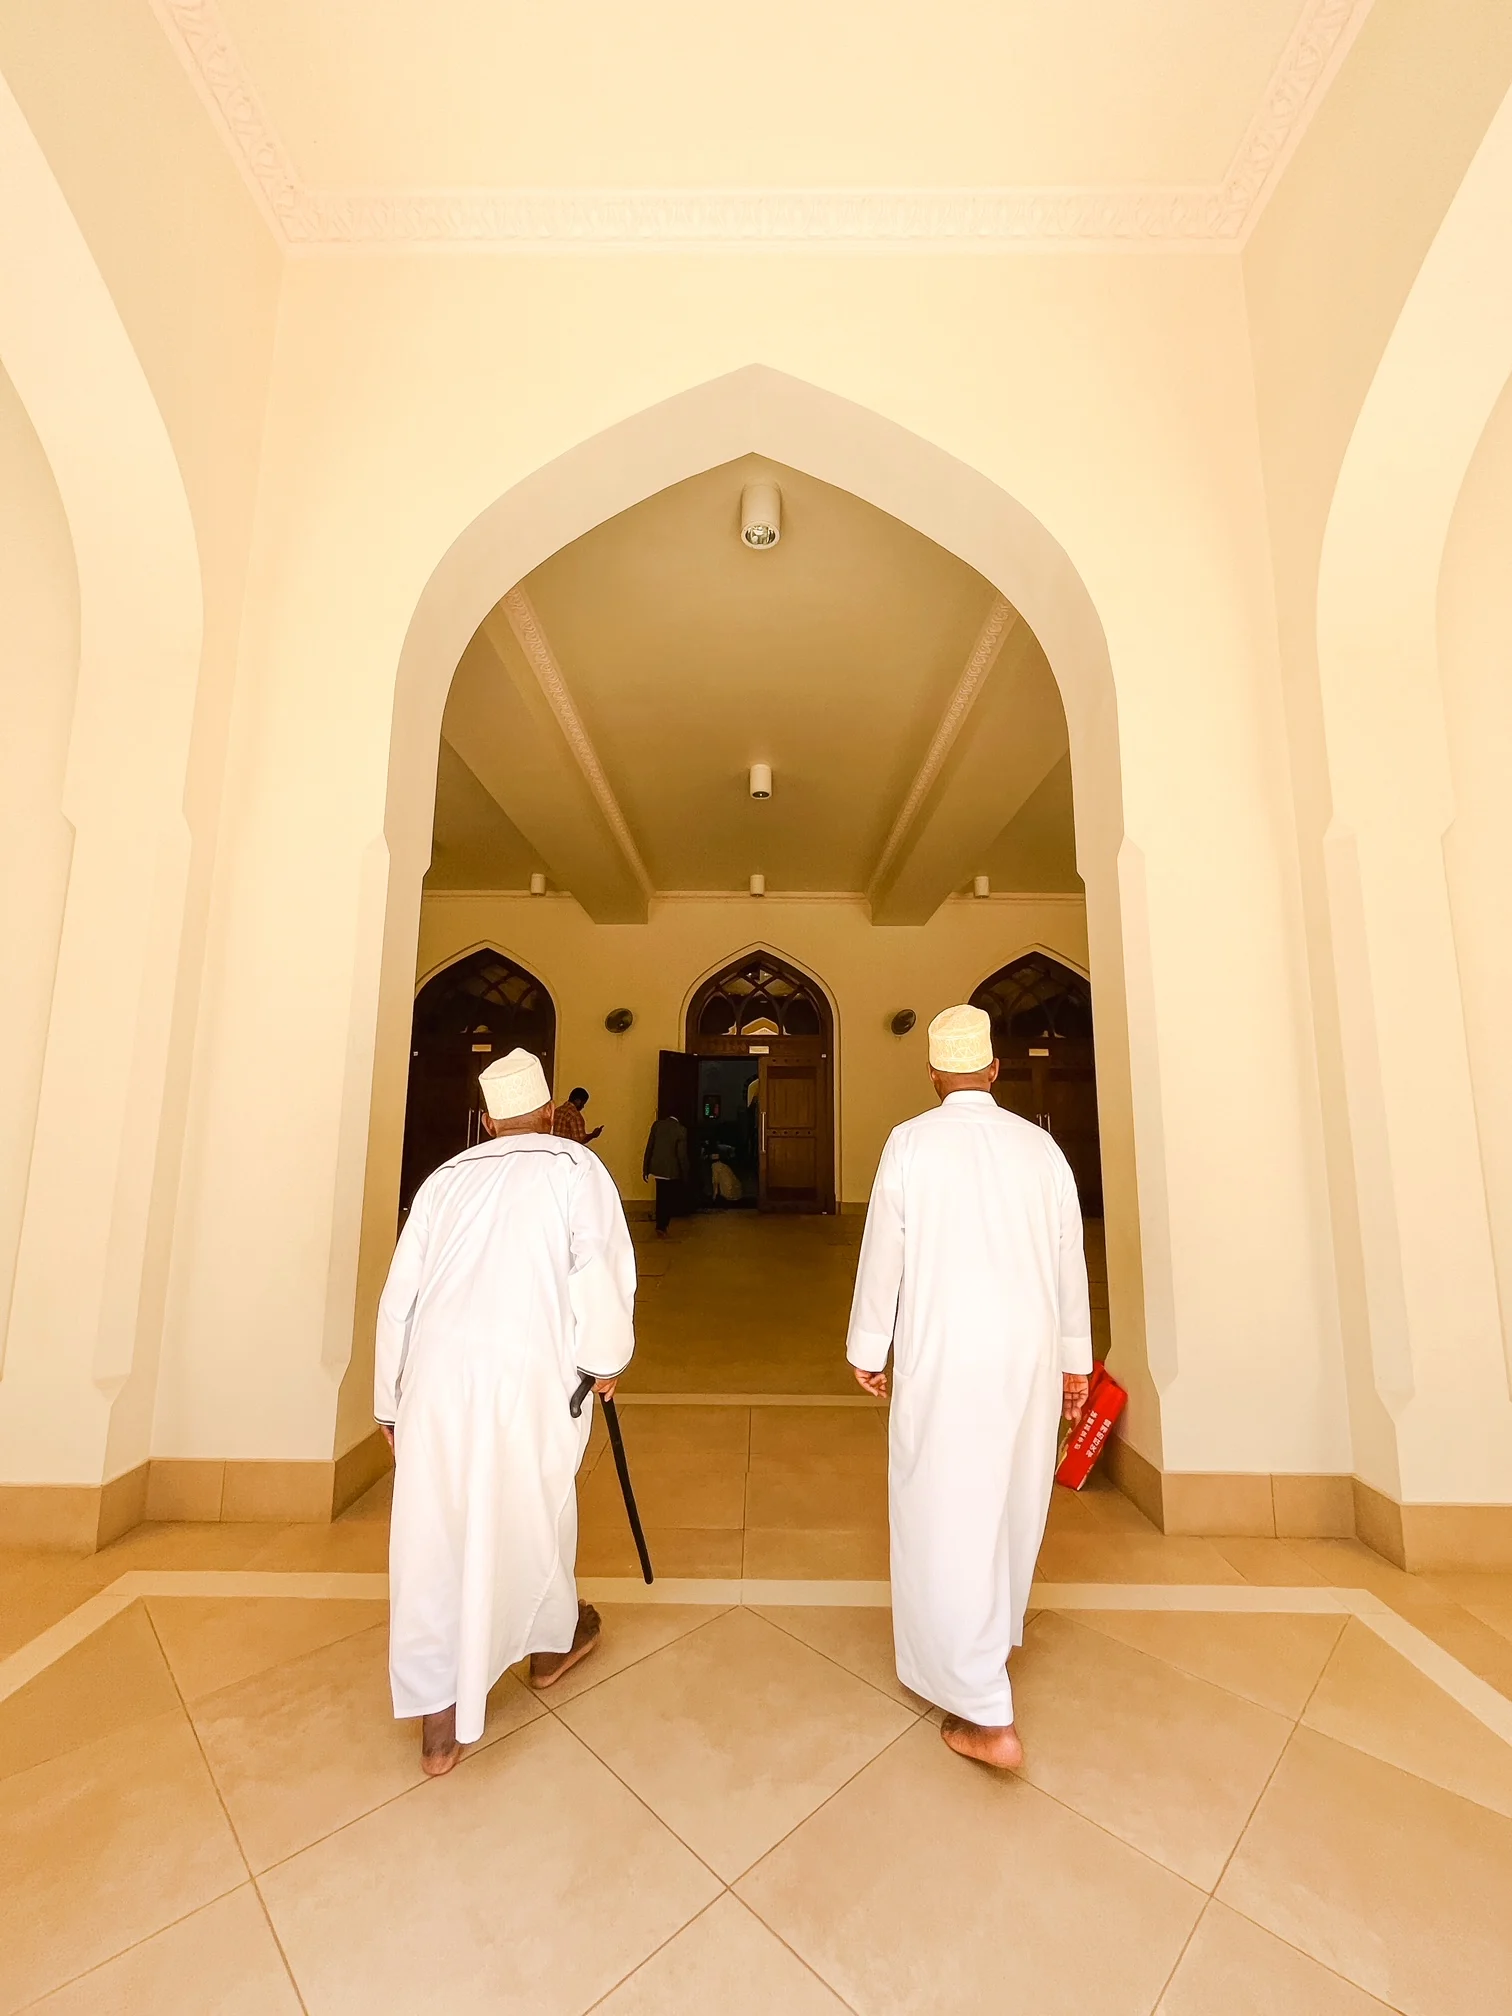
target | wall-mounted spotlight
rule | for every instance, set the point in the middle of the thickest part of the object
(761, 514)
(618, 1020)
(758, 885)
(537, 883)
(903, 1021)
(761, 780)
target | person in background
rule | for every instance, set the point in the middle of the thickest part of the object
(666, 1160)
(569, 1124)
(514, 1274)
(972, 1276)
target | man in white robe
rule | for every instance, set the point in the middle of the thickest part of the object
(972, 1275)
(514, 1272)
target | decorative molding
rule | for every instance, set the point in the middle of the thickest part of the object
(542, 660)
(1000, 619)
(957, 220)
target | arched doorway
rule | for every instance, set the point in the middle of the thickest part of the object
(758, 1074)
(1042, 1036)
(480, 1007)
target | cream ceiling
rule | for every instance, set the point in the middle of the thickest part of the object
(604, 719)
(1164, 118)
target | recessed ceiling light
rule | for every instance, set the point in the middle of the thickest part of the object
(761, 514)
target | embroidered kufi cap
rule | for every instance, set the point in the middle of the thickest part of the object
(514, 1085)
(960, 1040)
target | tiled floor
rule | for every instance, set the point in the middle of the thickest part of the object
(734, 1806)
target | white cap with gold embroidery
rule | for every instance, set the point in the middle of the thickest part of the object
(514, 1085)
(960, 1040)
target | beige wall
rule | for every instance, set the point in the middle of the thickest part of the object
(39, 669)
(653, 969)
(267, 469)
(1475, 658)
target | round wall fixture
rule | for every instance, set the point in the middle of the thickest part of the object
(903, 1021)
(618, 1020)
(761, 514)
(761, 780)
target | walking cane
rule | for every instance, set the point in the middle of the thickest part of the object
(617, 1444)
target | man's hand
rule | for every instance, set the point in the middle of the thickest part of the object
(388, 1433)
(1074, 1388)
(874, 1383)
(605, 1388)
(595, 1134)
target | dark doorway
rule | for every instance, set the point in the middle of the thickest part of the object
(481, 1008)
(1042, 1036)
(762, 1024)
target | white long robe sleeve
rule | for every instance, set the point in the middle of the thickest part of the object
(971, 1273)
(514, 1270)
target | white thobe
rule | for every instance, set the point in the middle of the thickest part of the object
(514, 1270)
(972, 1274)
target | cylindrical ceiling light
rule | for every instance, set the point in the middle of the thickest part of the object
(758, 885)
(761, 780)
(761, 514)
(981, 885)
(537, 883)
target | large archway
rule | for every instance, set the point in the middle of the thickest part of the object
(760, 410)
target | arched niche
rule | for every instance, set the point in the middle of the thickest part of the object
(1041, 1012)
(478, 1007)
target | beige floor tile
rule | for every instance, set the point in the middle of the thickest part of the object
(1370, 1697)
(726, 1960)
(801, 1556)
(734, 1734)
(1232, 1968)
(1486, 1597)
(38, 1590)
(104, 1847)
(605, 1547)
(681, 1434)
(836, 1437)
(220, 1961)
(116, 1678)
(538, 1880)
(1274, 1661)
(1099, 1507)
(360, 1548)
(1398, 1886)
(1350, 1564)
(305, 1747)
(786, 1494)
(1475, 1644)
(1269, 1563)
(1130, 1557)
(184, 1545)
(859, 1640)
(930, 1884)
(1169, 1763)
(632, 1632)
(212, 1642)
(690, 1489)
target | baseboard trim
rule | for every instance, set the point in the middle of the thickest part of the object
(72, 1518)
(1219, 1505)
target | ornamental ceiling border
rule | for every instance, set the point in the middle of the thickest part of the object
(309, 220)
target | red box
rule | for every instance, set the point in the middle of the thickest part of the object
(1106, 1400)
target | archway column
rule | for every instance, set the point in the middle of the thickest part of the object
(1433, 1352)
(80, 1358)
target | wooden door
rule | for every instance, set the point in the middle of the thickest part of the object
(1054, 1084)
(791, 1119)
(677, 1094)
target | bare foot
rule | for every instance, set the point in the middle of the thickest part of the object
(546, 1668)
(439, 1748)
(999, 1747)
